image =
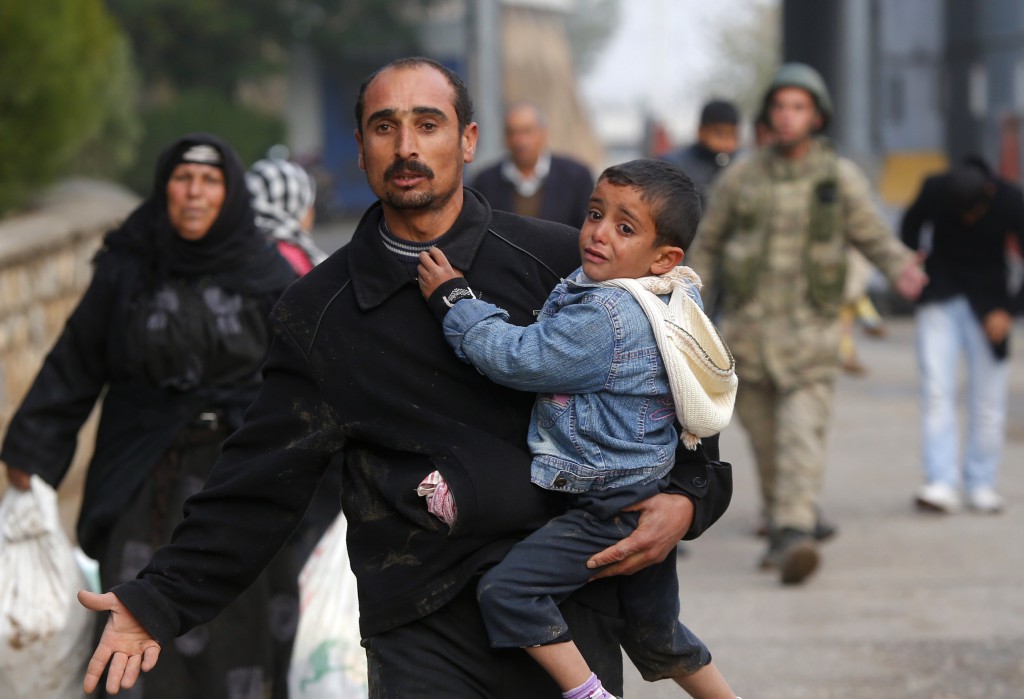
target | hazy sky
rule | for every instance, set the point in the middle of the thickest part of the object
(661, 53)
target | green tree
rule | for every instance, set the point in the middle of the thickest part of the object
(215, 44)
(193, 55)
(54, 57)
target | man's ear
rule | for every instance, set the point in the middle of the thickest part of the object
(469, 138)
(667, 258)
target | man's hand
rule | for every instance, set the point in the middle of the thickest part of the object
(125, 644)
(433, 271)
(997, 325)
(912, 280)
(22, 480)
(664, 519)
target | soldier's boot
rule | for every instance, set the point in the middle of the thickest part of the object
(823, 529)
(793, 552)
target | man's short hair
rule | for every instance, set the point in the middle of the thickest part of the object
(670, 194)
(719, 112)
(461, 101)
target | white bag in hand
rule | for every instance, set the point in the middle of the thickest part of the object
(45, 634)
(327, 660)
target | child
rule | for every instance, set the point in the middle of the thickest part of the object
(618, 365)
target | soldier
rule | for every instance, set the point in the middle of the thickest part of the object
(779, 223)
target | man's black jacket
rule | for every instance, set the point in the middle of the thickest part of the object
(360, 374)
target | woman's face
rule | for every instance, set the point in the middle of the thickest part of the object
(195, 193)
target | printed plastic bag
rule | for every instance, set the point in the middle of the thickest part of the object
(45, 634)
(327, 660)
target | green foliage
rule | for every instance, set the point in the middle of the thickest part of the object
(111, 150)
(218, 43)
(250, 133)
(202, 43)
(54, 55)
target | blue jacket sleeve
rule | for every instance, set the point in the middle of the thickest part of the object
(569, 352)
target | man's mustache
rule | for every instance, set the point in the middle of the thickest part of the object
(414, 167)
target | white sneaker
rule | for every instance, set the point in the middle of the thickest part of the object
(938, 497)
(985, 500)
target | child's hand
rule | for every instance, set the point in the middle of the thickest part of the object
(433, 271)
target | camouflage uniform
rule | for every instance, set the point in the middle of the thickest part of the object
(779, 231)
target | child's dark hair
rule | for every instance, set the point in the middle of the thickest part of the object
(674, 202)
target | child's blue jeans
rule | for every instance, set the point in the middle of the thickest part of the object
(519, 596)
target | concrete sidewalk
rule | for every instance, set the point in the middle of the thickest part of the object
(906, 605)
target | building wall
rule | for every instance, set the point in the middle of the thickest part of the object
(985, 49)
(45, 266)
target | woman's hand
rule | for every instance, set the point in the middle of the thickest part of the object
(433, 271)
(125, 644)
(22, 480)
(664, 520)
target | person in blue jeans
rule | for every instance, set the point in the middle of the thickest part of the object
(964, 314)
(621, 352)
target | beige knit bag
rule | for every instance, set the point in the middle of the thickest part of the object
(701, 369)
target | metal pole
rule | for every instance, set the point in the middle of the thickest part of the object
(486, 82)
(854, 83)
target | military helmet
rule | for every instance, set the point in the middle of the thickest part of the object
(803, 76)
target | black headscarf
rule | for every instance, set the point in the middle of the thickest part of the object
(233, 250)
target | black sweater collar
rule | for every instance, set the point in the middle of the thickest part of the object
(376, 274)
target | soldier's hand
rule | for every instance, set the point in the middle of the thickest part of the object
(997, 325)
(911, 281)
(433, 271)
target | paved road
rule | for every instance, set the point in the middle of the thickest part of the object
(906, 605)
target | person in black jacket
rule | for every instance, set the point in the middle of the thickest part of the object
(531, 180)
(173, 327)
(359, 375)
(718, 139)
(965, 310)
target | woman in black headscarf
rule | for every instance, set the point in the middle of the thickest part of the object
(173, 327)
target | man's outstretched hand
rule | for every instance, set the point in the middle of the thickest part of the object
(125, 645)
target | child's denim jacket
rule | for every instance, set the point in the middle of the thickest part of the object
(604, 414)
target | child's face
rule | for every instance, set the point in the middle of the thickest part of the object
(617, 238)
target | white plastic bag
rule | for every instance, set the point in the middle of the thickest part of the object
(327, 660)
(45, 634)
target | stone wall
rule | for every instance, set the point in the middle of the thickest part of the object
(45, 266)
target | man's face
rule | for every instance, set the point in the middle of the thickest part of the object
(719, 138)
(525, 137)
(618, 236)
(410, 146)
(794, 116)
(195, 195)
